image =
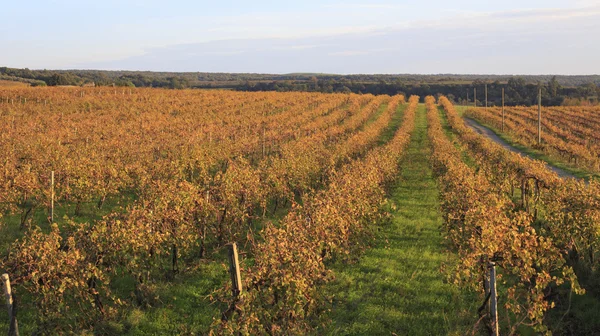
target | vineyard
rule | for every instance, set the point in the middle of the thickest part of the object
(115, 202)
(569, 134)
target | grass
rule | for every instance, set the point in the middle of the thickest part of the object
(397, 287)
(183, 305)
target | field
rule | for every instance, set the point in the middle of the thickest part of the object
(352, 214)
(8, 83)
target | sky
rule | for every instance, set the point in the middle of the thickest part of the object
(380, 36)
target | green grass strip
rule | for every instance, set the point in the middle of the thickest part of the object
(397, 286)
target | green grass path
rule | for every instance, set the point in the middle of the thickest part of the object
(397, 287)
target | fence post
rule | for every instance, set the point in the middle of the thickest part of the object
(14, 327)
(493, 300)
(234, 270)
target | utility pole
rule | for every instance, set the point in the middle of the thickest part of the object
(502, 109)
(486, 103)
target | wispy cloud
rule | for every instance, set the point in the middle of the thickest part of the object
(526, 41)
(349, 53)
(363, 6)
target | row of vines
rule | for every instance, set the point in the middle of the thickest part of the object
(570, 134)
(201, 168)
(537, 225)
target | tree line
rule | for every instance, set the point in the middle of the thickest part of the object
(520, 90)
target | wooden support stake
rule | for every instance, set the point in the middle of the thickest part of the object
(203, 230)
(475, 97)
(502, 109)
(52, 197)
(234, 270)
(14, 327)
(263, 142)
(540, 117)
(493, 300)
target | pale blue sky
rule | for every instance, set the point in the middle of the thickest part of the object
(460, 36)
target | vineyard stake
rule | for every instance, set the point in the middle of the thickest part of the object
(203, 236)
(14, 327)
(502, 109)
(475, 97)
(234, 270)
(493, 300)
(263, 142)
(52, 197)
(540, 117)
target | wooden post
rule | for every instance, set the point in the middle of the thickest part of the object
(263, 142)
(234, 270)
(502, 109)
(52, 197)
(486, 103)
(475, 97)
(493, 300)
(14, 327)
(203, 230)
(540, 117)
(467, 98)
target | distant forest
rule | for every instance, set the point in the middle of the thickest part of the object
(520, 90)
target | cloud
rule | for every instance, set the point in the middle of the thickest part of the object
(349, 53)
(526, 42)
(351, 6)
